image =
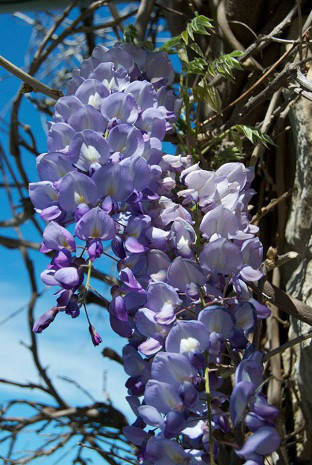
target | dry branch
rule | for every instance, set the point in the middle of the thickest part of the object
(32, 84)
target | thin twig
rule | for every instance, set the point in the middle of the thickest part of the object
(246, 94)
(170, 10)
(300, 24)
(259, 148)
(143, 17)
(53, 28)
(230, 37)
(265, 210)
(285, 302)
(32, 84)
(288, 344)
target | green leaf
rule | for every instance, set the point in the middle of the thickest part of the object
(201, 24)
(171, 43)
(182, 53)
(237, 139)
(248, 133)
(226, 155)
(225, 64)
(209, 95)
(184, 36)
(236, 53)
(129, 33)
(204, 21)
(213, 99)
(189, 29)
(196, 48)
(254, 135)
(196, 66)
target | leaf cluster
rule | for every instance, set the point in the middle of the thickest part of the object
(185, 45)
(229, 145)
(198, 25)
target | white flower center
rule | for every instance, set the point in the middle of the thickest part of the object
(79, 198)
(95, 100)
(183, 241)
(90, 153)
(189, 344)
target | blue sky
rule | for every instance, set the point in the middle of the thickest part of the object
(65, 347)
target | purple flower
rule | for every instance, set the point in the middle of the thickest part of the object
(95, 224)
(76, 188)
(144, 94)
(114, 79)
(183, 272)
(65, 107)
(106, 177)
(245, 316)
(150, 415)
(92, 92)
(174, 424)
(69, 277)
(56, 237)
(43, 195)
(117, 55)
(172, 368)
(163, 396)
(61, 259)
(263, 442)
(221, 256)
(135, 435)
(45, 320)
(152, 122)
(235, 172)
(95, 337)
(128, 278)
(126, 139)
(221, 221)
(240, 396)
(53, 166)
(91, 150)
(120, 107)
(148, 326)
(187, 337)
(183, 237)
(95, 249)
(164, 451)
(158, 69)
(134, 364)
(59, 137)
(114, 181)
(88, 118)
(162, 299)
(217, 320)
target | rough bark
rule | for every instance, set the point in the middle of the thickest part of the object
(298, 278)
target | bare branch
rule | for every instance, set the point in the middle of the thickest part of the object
(265, 210)
(12, 243)
(288, 304)
(143, 17)
(287, 345)
(32, 84)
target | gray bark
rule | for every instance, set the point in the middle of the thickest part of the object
(298, 277)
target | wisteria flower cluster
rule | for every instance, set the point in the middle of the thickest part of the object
(186, 252)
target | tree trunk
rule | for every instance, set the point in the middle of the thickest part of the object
(298, 276)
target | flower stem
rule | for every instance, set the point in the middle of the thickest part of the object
(88, 276)
(207, 389)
